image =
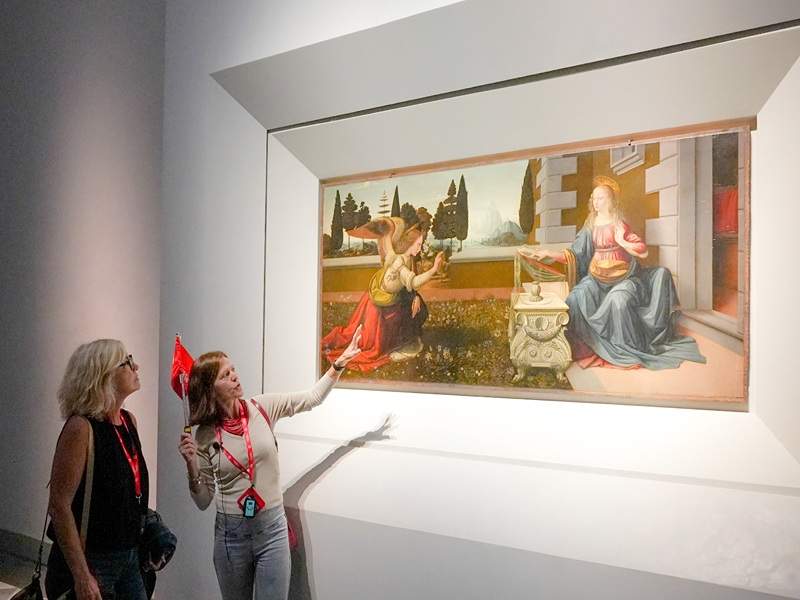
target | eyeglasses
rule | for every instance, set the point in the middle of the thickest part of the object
(128, 361)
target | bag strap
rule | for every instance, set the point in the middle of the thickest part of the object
(266, 418)
(87, 501)
(37, 569)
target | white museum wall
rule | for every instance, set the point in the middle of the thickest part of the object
(565, 491)
(79, 221)
(213, 215)
(292, 278)
(674, 480)
(775, 289)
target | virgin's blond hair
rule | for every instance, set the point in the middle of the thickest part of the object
(87, 388)
(615, 209)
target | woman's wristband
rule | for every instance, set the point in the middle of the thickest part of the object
(337, 368)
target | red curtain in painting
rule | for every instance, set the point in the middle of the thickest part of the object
(726, 209)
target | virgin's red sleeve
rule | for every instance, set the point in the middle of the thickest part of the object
(632, 238)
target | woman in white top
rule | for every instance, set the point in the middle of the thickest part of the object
(233, 457)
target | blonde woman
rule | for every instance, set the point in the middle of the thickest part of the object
(99, 377)
(621, 314)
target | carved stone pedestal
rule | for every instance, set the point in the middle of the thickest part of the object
(536, 334)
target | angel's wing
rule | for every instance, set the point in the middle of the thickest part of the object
(383, 229)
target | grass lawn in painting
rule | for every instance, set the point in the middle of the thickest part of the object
(464, 342)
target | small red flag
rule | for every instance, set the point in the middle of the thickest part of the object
(182, 362)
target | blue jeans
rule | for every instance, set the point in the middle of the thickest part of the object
(117, 574)
(252, 554)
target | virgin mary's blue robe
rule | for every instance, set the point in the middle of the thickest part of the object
(630, 322)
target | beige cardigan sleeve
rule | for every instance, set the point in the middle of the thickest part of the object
(288, 404)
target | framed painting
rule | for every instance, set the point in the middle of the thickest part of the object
(611, 271)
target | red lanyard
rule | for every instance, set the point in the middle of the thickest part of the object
(133, 461)
(251, 463)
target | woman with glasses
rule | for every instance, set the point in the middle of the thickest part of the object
(233, 458)
(99, 377)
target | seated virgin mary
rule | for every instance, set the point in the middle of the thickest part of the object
(622, 314)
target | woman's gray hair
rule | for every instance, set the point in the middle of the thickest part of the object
(87, 388)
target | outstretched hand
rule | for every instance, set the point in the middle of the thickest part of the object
(352, 349)
(543, 255)
(537, 254)
(437, 261)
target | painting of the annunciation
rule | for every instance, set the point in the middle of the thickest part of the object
(612, 274)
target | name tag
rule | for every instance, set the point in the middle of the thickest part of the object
(250, 502)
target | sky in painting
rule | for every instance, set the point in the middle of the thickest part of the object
(493, 194)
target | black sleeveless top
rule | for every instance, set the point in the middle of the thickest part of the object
(115, 517)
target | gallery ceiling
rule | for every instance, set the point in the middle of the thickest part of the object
(725, 81)
(477, 43)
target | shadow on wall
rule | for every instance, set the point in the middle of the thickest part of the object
(300, 588)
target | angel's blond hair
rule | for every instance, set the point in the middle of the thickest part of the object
(407, 239)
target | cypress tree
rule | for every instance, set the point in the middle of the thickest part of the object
(526, 213)
(396, 203)
(336, 225)
(349, 210)
(462, 213)
(449, 224)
